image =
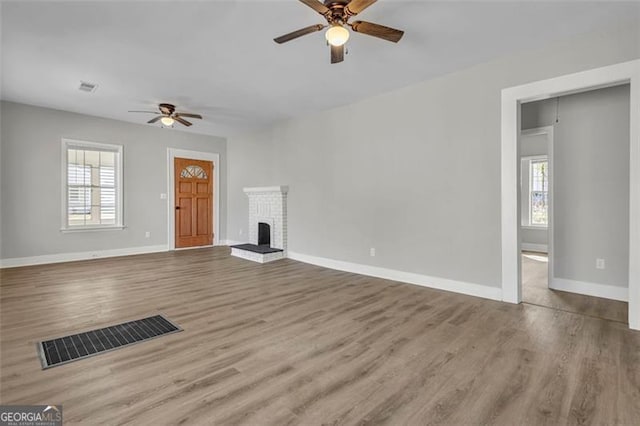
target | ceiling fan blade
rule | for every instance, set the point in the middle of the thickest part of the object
(317, 6)
(154, 119)
(337, 54)
(356, 6)
(375, 30)
(181, 121)
(299, 33)
(187, 114)
(148, 112)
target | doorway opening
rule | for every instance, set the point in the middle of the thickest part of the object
(588, 167)
(569, 274)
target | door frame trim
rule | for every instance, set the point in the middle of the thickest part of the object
(612, 75)
(214, 157)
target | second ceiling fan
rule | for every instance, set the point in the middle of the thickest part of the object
(167, 115)
(337, 14)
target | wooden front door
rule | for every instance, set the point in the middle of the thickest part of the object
(194, 202)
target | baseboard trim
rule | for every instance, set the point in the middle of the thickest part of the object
(590, 289)
(71, 257)
(231, 242)
(470, 289)
(540, 248)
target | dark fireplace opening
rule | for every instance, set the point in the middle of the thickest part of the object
(264, 234)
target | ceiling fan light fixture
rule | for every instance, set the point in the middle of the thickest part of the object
(337, 35)
(167, 121)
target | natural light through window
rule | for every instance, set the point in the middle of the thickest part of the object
(535, 191)
(539, 192)
(92, 185)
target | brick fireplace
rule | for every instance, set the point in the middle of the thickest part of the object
(267, 222)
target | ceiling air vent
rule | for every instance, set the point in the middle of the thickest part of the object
(88, 87)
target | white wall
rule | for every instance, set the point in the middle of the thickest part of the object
(591, 183)
(250, 162)
(31, 179)
(414, 173)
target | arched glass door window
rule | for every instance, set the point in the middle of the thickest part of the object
(193, 171)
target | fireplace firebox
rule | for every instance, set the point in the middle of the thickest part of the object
(264, 234)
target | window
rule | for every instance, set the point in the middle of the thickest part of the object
(535, 191)
(92, 176)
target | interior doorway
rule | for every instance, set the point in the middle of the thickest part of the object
(512, 99)
(588, 167)
(194, 207)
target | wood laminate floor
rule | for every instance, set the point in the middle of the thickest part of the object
(289, 343)
(535, 290)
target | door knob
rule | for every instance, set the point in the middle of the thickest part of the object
(177, 207)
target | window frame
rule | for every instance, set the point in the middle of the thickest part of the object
(96, 146)
(525, 185)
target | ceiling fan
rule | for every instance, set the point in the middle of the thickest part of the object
(337, 14)
(168, 115)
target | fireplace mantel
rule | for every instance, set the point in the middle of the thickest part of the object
(283, 189)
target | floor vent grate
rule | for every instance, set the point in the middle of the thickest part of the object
(70, 348)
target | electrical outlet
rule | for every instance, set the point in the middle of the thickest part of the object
(240, 232)
(147, 234)
(600, 264)
(163, 196)
(372, 252)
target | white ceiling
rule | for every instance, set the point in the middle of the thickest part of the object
(218, 58)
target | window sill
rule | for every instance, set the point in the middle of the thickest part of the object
(92, 229)
(536, 227)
